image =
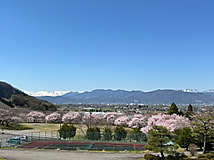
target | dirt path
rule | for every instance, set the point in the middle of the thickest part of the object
(19, 154)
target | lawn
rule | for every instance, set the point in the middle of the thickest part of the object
(15, 126)
(51, 129)
(42, 127)
(53, 126)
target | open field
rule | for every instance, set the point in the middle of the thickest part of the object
(48, 127)
(20, 154)
(43, 126)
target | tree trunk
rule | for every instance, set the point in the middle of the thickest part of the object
(162, 155)
(205, 143)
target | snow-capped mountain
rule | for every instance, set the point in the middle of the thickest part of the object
(45, 93)
(102, 96)
(210, 91)
(191, 90)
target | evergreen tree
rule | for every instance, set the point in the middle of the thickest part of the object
(67, 131)
(107, 134)
(190, 108)
(189, 112)
(198, 138)
(173, 109)
(203, 130)
(120, 133)
(137, 135)
(158, 140)
(184, 137)
(93, 133)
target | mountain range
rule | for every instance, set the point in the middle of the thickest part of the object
(101, 96)
(10, 96)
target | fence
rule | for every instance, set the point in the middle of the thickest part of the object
(23, 138)
(42, 136)
(55, 136)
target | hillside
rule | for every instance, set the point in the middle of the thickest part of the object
(11, 96)
(4, 104)
(124, 97)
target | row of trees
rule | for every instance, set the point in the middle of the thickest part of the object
(145, 121)
(118, 134)
(136, 120)
(68, 131)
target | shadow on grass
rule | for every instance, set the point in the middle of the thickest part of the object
(14, 126)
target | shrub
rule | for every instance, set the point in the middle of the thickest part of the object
(93, 133)
(201, 156)
(195, 159)
(207, 155)
(170, 157)
(67, 131)
(151, 157)
(107, 134)
(120, 133)
(137, 135)
(177, 156)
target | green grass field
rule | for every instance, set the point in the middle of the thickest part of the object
(45, 127)
(15, 126)
(42, 126)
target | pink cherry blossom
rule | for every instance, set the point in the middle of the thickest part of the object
(122, 121)
(35, 116)
(171, 122)
(53, 117)
(72, 117)
(111, 117)
(138, 121)
(92, 119)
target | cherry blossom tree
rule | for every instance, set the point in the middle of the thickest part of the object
(35, 116)
(122, 121)
(92, 119)
(111, 117)
(72, 117)
(138, 121)
(16, 119)
(171, 122)
(53, 117)
(7, 116)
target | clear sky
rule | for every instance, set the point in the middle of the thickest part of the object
(116, 44)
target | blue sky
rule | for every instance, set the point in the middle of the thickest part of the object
(116, 44)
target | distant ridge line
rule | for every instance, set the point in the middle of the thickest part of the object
(108, 96)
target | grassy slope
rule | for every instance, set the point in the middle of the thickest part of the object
(13, 126)
(42, 126)
(4, 106)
